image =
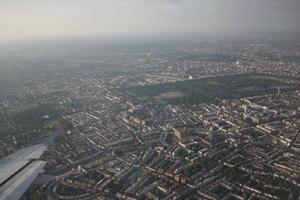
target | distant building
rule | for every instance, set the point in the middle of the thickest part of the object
(181, 132)
(138, 120)
(210, 135)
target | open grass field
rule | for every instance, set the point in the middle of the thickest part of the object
(209, 89)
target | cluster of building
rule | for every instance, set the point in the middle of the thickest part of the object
(110, 147)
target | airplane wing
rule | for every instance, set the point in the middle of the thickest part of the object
(19, 170)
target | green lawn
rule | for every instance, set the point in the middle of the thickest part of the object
(208, 89)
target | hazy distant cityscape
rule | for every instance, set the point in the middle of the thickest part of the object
(163, 119)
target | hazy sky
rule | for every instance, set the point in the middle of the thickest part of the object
(27, 19)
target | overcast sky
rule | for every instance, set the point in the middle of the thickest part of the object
(27, 19)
